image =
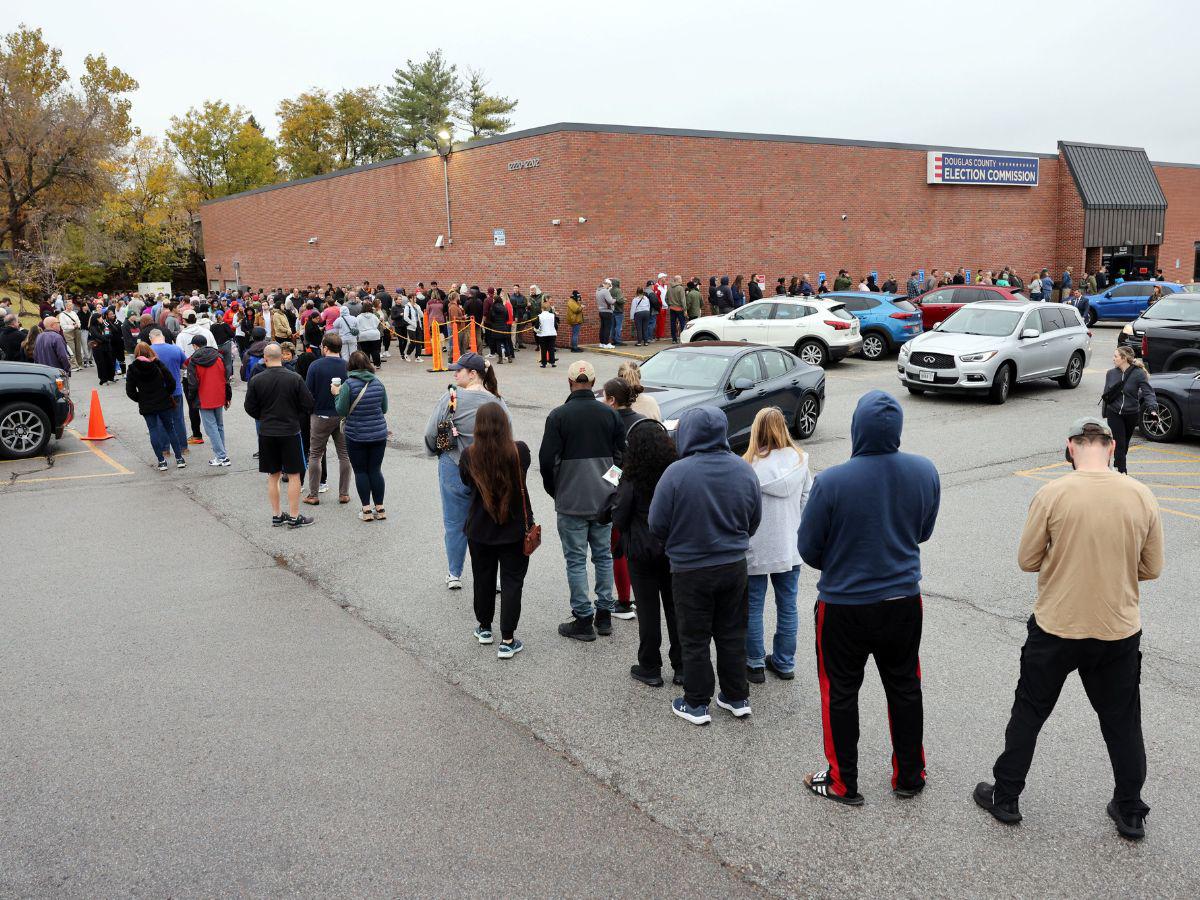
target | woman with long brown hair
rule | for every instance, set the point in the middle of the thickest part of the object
(493, 469)
(1127, 391)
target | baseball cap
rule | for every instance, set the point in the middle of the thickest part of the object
(1088, 424)
(472, 361)
(582, 371)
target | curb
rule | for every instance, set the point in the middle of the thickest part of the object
(628, 354)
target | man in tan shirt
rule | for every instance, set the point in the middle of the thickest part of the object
(1091, 536)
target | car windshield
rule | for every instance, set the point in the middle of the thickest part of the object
(1179, 308)
(905, 305)
(989, 322)
(684, 369)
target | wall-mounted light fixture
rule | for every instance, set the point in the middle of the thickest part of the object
(312, 240)
(582, 219)
(556, 221)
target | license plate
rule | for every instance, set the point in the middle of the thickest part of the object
(925, 375)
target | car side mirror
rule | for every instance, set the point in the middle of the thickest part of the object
(742, 384)
(1030, 334)
(938, 326)
(1108, 294)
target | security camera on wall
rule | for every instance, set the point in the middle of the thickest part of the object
(312, 240)
(440, 242)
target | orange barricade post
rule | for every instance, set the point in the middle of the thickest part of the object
(425, 351)
(97, 431)
(454, 340)
(474, 337)
(437, 353)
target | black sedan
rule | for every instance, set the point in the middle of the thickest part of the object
(1172, 310)
(738, 378)
(1178, 412)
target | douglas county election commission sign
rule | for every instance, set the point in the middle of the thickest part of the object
(943, 167)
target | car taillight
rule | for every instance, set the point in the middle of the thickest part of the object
(1145, 345)
(838, 324)
(905, 315)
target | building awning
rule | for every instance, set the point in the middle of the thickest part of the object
(1123, 203)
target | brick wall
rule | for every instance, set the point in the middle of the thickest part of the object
(695, 206)
(1181, 184)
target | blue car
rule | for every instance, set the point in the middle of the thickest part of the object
(1125, 302)
(886, 320)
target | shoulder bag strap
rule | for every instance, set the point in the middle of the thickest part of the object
(366, 384)
(521, 485)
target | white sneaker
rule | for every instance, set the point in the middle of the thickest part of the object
(453, 583)
(214, 462)
(323, 488)
(385, 355)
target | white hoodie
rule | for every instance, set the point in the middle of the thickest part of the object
(786, 481)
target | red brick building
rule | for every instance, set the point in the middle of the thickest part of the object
(565, 205)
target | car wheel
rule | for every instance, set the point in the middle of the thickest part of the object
(1074, 374)
(702, 336)
(812, 352)
(920, 392)
(1001, 384)
(1091, 318)
(24, 430)
(875, 345)
(1164, 424)
(805, 421)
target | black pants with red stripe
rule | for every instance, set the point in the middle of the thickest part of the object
(846, 635)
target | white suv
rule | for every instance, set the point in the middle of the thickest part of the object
(817, 331)
(986, 348)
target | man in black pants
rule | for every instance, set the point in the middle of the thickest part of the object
(863, 527)
(279, 400)
(1091, 536)
(705, 508)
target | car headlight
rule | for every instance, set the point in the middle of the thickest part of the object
(978, 357)
(1128, 329)
(688, 324)
(905, 350)
(671, 424)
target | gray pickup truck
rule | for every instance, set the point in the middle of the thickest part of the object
(35, 405)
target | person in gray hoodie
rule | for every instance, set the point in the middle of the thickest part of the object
(604, 305)
(451, 429)
(783, 474)
(705, 509)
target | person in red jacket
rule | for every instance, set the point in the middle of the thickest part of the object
(207, 385)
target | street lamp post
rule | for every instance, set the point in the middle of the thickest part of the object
(444, 148)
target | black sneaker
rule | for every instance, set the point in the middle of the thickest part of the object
(1131, 826)
(299, 521)
(279, 520)
(677, 679)
(624, 611)
(907, 793)
(756, 675)
(603, 622)
(781, 675)
(652, 677)
(578, 629)
(985, 796)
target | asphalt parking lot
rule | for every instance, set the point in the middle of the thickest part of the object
(734, 789)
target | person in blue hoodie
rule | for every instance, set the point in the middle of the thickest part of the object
(862, 527)
(705, 509)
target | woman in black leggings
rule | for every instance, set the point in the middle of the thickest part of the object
(1127, 392)
(362, 400)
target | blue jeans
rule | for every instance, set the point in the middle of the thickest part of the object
(678, 320)
(653, 325)
(456, 503)
(783, 653)
(618, 324)
(576, 535)
(575, 329)
(180, 424)
(213, 421)
(163, 433)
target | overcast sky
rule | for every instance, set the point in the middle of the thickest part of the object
(1002, 75)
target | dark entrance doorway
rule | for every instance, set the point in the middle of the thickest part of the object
(1196, 267)
(1134, 263)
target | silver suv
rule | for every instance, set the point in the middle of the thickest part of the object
(986, 348)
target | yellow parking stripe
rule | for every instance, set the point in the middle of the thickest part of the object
(104, 457)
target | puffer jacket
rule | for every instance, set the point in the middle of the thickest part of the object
(366, 424)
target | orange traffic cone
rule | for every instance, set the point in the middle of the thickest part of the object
(97, 431)
(426, 350)
(474, 343)
(454, 353)
(437, 355)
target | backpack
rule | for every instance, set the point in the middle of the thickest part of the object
(249, 365)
